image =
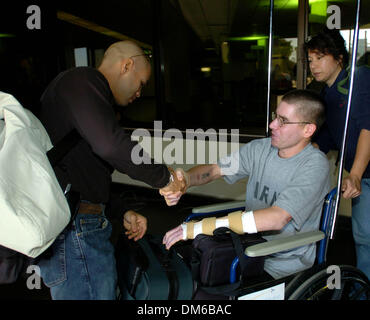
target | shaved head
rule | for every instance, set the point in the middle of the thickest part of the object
(120, 50)
(126, 69)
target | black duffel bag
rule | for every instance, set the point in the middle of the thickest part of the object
(147, 271)
(212, 257)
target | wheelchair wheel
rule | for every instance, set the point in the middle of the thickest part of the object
(354, 285)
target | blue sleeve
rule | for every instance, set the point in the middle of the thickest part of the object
(361, 99)
(324, 139)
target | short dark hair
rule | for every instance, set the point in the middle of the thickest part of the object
(329, 42)
(310, 105)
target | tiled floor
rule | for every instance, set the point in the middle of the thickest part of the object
(162, 218)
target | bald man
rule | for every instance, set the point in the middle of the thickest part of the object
(127, 70)
(83, 264)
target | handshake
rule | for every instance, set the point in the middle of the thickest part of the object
(177, 186)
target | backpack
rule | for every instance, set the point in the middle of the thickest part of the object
(147, 271)
(33, 208)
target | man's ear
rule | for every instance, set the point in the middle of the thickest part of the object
(126, 65)
(309, 130)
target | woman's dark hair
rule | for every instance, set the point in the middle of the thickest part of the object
(329, 42)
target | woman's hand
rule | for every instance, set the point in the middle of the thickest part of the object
(351, 187)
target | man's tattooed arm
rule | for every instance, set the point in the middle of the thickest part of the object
(203, 174)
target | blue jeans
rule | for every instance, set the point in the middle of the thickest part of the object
(82, 265)
(361, 227)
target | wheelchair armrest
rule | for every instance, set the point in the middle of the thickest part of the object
(220, 207)
(212, 209)
(273, 246)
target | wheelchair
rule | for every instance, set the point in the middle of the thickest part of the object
(314, 283)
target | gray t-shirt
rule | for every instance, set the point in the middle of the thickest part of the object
(298, 185)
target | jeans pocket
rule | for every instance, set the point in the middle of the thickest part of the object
(93, 224)
(94, 234)
(53, 268)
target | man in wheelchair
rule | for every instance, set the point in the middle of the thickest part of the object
(288, 180)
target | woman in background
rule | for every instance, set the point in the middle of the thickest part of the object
(328, 60)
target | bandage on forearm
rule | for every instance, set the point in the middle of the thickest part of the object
(238, 221)
(249, 224)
